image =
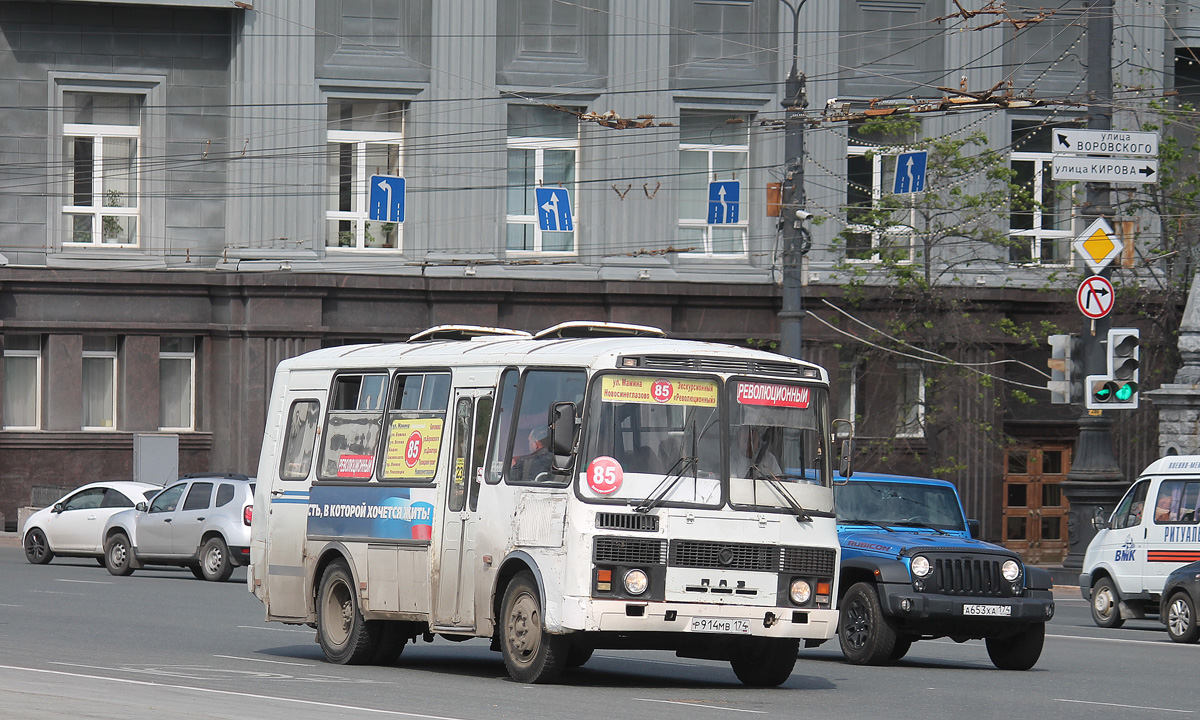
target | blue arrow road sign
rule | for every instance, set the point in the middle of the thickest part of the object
(387, 199)
(723, 201)
(910, 172)
(554, 209)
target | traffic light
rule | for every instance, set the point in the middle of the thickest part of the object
(1066, 369)
(1118, 389)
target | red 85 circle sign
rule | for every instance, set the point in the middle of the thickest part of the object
(412, 449)
(604, 475)
(662, 391)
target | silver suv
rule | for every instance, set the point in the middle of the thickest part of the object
(201, 522)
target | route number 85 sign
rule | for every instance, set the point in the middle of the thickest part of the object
(604, 475)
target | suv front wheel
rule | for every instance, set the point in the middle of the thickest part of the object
(868, 637)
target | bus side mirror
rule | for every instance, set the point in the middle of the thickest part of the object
(847, 452)
(562, 432)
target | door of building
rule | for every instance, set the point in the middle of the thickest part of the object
(1035, 508)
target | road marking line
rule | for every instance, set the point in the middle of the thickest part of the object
(275, 662)
(1131, 707)
(89, 582)
(702, 705)
(259, 627)
(10, 605)
(1157, 643)
(56, 592)
(214, 691)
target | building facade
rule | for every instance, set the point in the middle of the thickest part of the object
(186, 199)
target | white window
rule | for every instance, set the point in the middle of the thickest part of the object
(910, 402)
(713, 147)
(1040, 222)
(543, 151)
(366, 137)
(177, 383)
(22, 382)
(870, 171)
(101, 146)
(848, 403)
(99, 382)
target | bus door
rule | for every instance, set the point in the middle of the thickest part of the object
(455, 604)
(288, 497)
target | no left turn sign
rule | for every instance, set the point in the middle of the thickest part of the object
(1095, 297)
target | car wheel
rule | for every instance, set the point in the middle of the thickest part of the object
(1181, 619)
(37, 547)
(345, 637)
(1020, 651)
(214, 560)
(764, 662)
(867, 636)
(531, 654)
(1106, 605)
(118, 555)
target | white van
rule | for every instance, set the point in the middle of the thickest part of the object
(1154, 530)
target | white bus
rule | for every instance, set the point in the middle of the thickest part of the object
(592, 486)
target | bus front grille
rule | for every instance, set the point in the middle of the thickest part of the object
(731, 556)
(807, 561)
(630, 551)
(638, 522)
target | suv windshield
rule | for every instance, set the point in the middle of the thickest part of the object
(658, 440)
(898, 505)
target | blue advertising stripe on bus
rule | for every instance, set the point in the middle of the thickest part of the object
(383, 512)
(291, 497)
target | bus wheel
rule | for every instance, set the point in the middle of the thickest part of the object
(531, 654)
(764, 662)
(341, 629)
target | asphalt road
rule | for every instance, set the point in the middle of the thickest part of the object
(76, 642)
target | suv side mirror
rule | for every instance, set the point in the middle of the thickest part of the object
(973, 528)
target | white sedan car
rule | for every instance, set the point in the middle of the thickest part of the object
(74, 525)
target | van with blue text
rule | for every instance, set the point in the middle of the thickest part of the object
(1154, 530)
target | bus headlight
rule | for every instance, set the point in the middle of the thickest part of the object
(1010, 570)
(636, 581)
(921, 567)
(800, 591)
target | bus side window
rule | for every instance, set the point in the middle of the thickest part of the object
(502, 430)
(352, 427)
(531, 456)
(299, 440)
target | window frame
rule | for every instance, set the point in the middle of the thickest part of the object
(877, 155)
(910, 418)
(360, 193)
(191, 358)
(112, 355)
(37, 393)
(711, 175)
(1043, 163)
(540, 144)
(97, 132)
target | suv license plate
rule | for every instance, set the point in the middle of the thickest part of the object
(720, 625)
(991, 610)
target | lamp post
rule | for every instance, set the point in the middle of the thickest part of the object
(796, 240)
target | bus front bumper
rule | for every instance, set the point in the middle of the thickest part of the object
(629, 616)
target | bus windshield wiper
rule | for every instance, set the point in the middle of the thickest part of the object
(670, 479)
(798, 510)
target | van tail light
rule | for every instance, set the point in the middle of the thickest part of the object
(247, 514)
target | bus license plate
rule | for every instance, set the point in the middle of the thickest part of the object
(990, 610)
(720, 625)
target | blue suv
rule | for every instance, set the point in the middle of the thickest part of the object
(911, 571)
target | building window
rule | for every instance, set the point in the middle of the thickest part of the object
(712, 147)
(22, 382)
(910, 402)
(99, 382)
(850, 372)
(366, 137)
(101, 146)
(543, 151)
(177, 383)
(1040, 220)
(870, 172)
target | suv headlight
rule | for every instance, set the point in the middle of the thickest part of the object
(921, 567)
(1011, 570)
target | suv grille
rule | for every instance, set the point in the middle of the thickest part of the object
(626, 521)
(965, 575)
(630, 551)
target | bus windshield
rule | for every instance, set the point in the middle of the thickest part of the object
(658, 440)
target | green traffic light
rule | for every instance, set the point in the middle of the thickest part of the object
(1126, 391)
(1103, 392)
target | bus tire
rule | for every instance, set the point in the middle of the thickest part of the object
(390, 644)
(764, 662)
(531, 655)
(342, 631)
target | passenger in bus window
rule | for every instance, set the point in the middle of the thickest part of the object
(750, 457)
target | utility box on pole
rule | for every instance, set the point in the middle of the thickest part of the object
(156, 458)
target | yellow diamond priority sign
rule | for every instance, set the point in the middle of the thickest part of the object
(1098, 245)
